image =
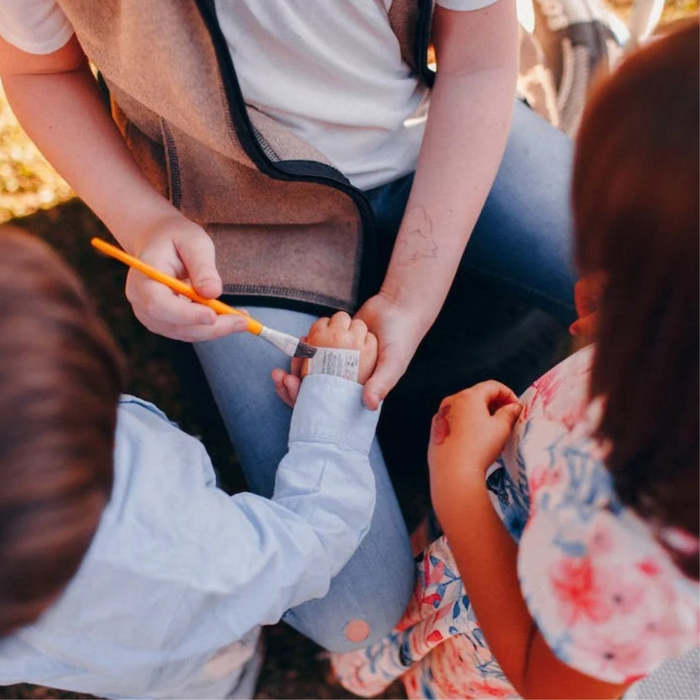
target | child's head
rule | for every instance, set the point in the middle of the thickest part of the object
(635, 199)
(60, 380)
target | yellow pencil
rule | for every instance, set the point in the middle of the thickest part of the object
(288, 344)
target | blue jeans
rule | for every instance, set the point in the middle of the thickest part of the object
(522, 241)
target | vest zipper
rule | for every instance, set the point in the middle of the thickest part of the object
(290, 170)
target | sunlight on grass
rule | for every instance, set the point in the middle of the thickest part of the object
(27, 181)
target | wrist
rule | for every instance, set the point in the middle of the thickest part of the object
(452, 493)
(153, 220)
(411, 306)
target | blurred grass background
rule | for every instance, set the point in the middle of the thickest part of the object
(34, 197)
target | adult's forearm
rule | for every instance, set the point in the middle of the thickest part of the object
(65, 116)
(462, 149)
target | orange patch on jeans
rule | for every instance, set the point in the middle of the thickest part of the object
(357, 630)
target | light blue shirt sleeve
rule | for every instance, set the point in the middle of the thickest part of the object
(179, 570)
(288, 548)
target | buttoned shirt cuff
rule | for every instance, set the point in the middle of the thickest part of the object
(330, 409)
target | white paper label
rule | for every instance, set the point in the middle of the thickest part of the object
(338, 362)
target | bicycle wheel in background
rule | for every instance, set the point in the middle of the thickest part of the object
(563, 45)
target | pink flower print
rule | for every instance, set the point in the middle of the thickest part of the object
(666, 627)
(561, 393)
(614, 659)
(453, 672)
(527, 401)
(623, 596)
(484, 689)
(601, 539)
(426, 570)
(354, 672)
(426, 574)
(431, 600)
(576, 589)
(412, 614)
(649, 567)
(567, 409)
(434, 637)
(544, 476)
(411, 682)
(437, 572)
(424, 636)
(547, 385)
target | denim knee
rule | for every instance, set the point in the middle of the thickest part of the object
(374, 620)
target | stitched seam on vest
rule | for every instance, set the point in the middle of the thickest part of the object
(172, 165)
(289, 292)
(264, 144)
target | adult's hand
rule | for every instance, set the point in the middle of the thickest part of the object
(398, 335)
(182, 249)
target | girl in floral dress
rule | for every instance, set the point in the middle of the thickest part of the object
(569, 564)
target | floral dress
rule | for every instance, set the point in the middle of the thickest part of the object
(603, 591)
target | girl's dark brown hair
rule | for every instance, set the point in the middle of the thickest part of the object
(60, 379)
(635, 199)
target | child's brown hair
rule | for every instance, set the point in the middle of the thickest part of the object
(60, 379)
(635, 199)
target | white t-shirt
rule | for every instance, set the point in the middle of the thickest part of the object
(329, 70)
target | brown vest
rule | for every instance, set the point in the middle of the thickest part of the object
(286, 224)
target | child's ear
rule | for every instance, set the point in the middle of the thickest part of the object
(587, 295)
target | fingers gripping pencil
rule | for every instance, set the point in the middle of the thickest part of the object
(288, 344)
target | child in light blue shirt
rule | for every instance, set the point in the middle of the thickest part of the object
(124, 570)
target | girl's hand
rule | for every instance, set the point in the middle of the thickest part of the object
(398, 334)
(471, 428)
(339, 331)
(182, 249)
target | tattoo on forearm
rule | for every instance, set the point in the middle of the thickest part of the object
(416, 240)
(441, 426)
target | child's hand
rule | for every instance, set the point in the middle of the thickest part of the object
(471, 428)
(339, 331)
